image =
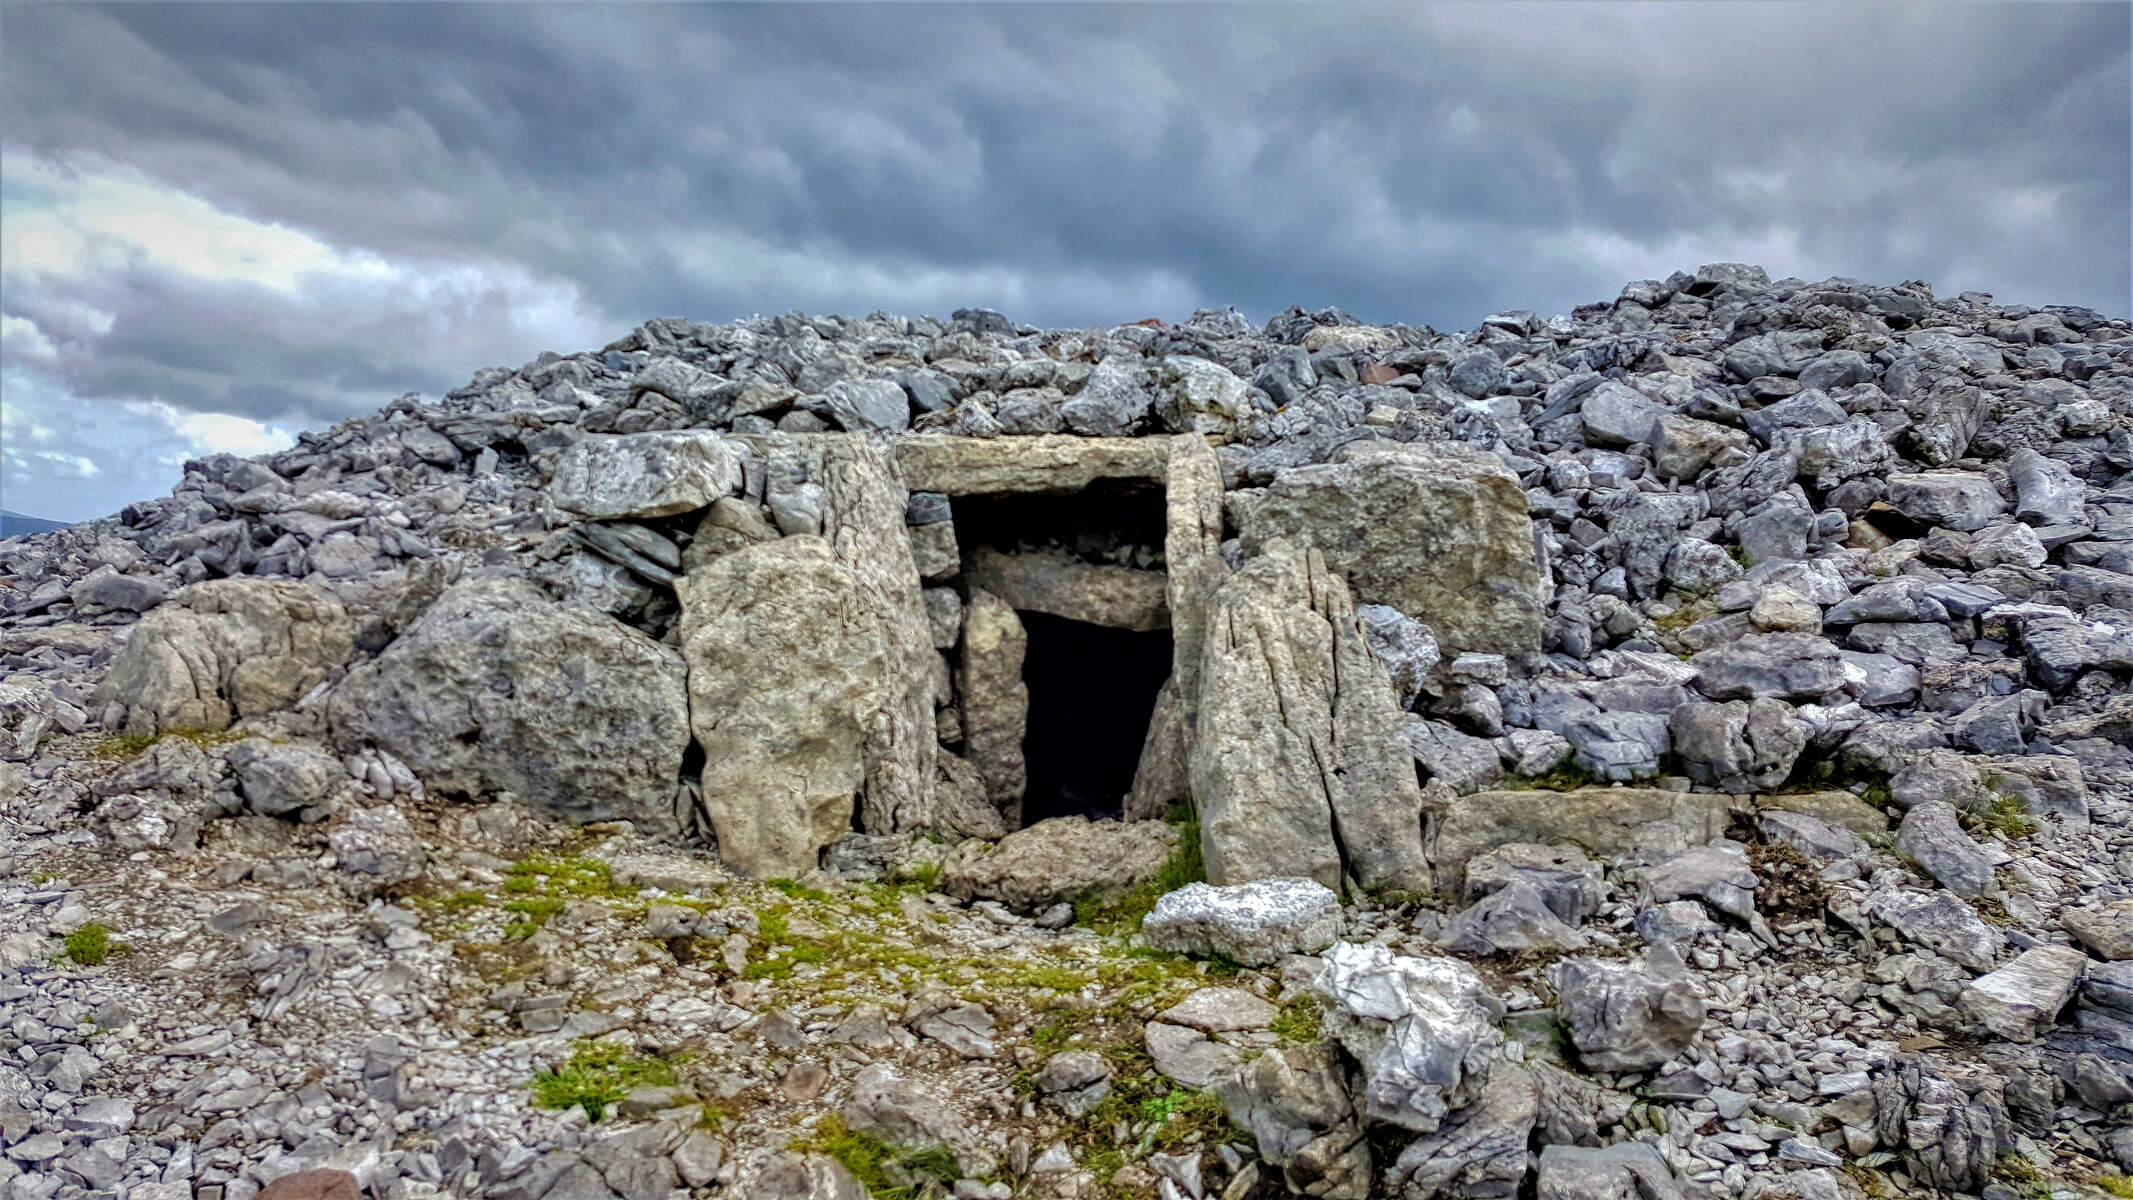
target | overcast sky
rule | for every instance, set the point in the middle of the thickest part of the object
(221, 224)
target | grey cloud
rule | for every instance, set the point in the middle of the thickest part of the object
(1069, 164)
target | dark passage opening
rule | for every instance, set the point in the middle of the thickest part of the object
(1091, 692)
(1110, 521)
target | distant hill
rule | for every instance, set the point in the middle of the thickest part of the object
(14, 524)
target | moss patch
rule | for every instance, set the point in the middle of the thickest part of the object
(1567, 775)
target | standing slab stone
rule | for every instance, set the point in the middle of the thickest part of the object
(1441, 534)
(1192, 543)
(864, 501)
(789, 668)
(1301, 754)
(995, 700)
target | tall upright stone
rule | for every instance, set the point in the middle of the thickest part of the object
(1192, 544)
(995, 700)
(1300, 765)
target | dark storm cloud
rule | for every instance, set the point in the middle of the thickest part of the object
(494, 180)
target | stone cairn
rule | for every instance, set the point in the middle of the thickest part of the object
(1677, 749)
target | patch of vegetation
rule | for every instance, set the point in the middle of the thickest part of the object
(925, 876)
(1684, 615)
(597, 1075)
(1300, 1021)
(1122, 914)
(711, 1116)
(128, 745)
(1991, 910)
(781, 966)
(885, 1171)
(567, 877)
(89, 945)
(2114, 1185)
(1567, 775)
(796, 890)
(2007, 817)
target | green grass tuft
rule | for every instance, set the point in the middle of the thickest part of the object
(1123, 913)
(797, 891)
(2114, 1185)
(89, 945)
(1300, 1021)
(597, 1075)
(886, 1172)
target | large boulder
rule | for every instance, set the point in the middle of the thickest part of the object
(1605, 822)
(496, 688)
(222, 650)
(1064, 858)
(644, 474)
(1436, 531)
(789, 666)
(1294, 1102)
(1738, 746)
(1301, 765)
(1950, 499)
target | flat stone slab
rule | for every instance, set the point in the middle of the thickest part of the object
(959, 466)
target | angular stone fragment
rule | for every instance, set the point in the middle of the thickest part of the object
(1607, 822)
(1628, 1016)
(1432, 531)
(1769, 664)
(644, 474)
(1423, 1029)
(1940, 922)
(1931, 838)
(1737, 746)
(1623, 1171)
(1294, 1102)
(1509, 920)
(1950, 499)
(2106, 931)
(1257, 923)
(1480, 1151)
(1063, 858)
(1570, 884)
(2020, 999)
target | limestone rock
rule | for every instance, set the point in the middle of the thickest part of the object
(1628, 1016)
(1735, 745)
(1479, 1151)
(222, 650)
(1298, 736)
(1769, 664)
(1623, 1171)
(1065, 586)
(1607, 822)
(788, 669)
(1257, 923)
(1423, 1029)
(1433, 531)
(644, 474)
(2106, 931)
(495, 688)
(1052, 463)
(1059, 859)
(1931, 838)
(994, 698)
(1294, 1102)
(2023, 998)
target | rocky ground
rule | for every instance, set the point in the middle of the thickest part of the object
(353, 845)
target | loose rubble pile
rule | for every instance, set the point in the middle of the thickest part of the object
(1678, 749)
